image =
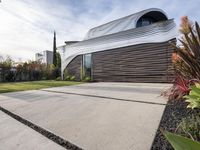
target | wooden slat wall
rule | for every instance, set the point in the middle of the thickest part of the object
(74, 67)
(138, 63)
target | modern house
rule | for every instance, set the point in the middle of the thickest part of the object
(134, 48)
(45, 57)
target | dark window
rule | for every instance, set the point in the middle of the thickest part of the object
(145, 21)
(87, 64)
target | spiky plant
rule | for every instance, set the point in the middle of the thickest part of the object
(188, 62)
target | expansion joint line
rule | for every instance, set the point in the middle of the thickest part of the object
(105, 97)
(60, 141)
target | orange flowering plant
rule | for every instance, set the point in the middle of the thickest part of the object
(186, 59)
(185, 25)
(175, 57)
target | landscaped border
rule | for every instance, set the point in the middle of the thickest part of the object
(172, 116)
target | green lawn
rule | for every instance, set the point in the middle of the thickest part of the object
(33, 85)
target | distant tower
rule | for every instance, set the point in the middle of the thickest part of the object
(54, 50)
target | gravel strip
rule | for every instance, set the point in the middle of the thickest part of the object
(172, 116)
(49, 135)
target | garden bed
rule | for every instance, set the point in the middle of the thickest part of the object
(172, 116)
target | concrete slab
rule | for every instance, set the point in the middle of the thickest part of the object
(90, 122)
(16, 136)
(148, 92)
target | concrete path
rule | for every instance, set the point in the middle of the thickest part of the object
(16, 136)
(95, 116)
(129, 91)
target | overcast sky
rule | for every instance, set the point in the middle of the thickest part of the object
(26, 26)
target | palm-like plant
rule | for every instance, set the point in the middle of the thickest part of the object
(188, 62)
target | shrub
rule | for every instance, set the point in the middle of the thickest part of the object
(44, 78)
(187, 62)
(86, 79)
(28, 71)
(67, 78)
(194, 97)
(190, 127)
(10, 76)
(58, 79)
(55, 72)
(180, 88)
(72, 78)
(66, 73)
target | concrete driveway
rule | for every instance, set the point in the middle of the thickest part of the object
(94, 116)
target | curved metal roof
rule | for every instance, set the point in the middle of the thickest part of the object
(122, 24)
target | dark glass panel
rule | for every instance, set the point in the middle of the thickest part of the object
(145, 21)
(87, 64)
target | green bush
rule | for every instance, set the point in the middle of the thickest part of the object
(67, 78)
(58, 79)
(44, 78)
(28, 71)
(10, 76)
(66, 73)
(86, 79)
(194, 97)
(72, 78)
(190, 127)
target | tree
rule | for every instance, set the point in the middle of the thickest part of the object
(58, 60)
(54, 50)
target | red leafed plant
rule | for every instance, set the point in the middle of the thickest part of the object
(180, 88)
(183, 85)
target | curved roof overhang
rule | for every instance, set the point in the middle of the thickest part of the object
(125, 23)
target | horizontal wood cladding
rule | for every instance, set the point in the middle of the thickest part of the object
(139, 63)
(74, 67)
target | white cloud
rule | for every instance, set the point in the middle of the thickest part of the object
(27, 26)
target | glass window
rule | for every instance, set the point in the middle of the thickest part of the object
(87, 65)
(145, 21)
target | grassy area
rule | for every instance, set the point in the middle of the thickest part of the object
(33, 85)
